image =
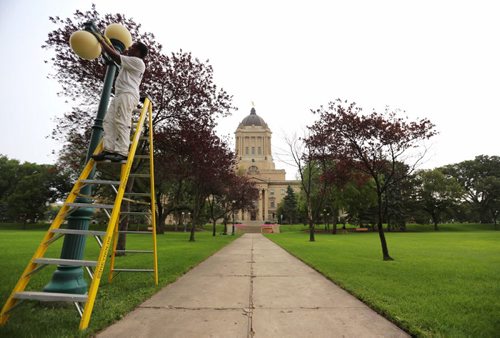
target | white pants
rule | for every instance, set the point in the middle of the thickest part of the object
(117, 124)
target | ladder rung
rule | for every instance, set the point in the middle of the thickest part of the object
(135, 201)
(51, 296)
(134, 251)
(60, 261)
(137, 194)
(139, 175)
(134, 213)
(135, 232)
(133, 270)
(90, 205)
(141, 156)
(79, 232)
(101, 182)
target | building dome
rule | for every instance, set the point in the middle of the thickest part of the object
(253, 120)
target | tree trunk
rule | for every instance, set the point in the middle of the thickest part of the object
(311, 222)
(160, 229)
(160, 224)
(213, 228)
(193, 222)
(196, 213)
(334, 228)
(385, 249)
(311, 231)
(225, 226)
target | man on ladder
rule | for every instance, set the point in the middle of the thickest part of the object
(116, 124)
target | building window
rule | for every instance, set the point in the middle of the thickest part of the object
(272, 204)
(253, 170)
(283, 192)
(259, 150)
(253, 150)
(246, 150)
(271, 192)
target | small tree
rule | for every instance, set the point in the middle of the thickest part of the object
(290, 205)
(313, 188)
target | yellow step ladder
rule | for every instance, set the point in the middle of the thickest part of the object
(85, 302)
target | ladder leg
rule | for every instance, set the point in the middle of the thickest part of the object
(153, 195)
(113, 251)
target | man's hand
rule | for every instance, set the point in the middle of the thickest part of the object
(113, 53)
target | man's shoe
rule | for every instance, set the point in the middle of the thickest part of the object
(115, 158)
(101, 156)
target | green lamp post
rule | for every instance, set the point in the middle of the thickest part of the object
(69, 279)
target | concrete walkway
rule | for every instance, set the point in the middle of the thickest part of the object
(252, 288)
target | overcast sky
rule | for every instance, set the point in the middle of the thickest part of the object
(434, 59)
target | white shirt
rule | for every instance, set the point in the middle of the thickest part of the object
(130, 76)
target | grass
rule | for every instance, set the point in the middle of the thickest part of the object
(176, 255)
(441, 284)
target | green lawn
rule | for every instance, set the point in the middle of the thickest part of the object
(176, 255)
(441, 284)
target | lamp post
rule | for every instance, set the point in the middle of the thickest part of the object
(183, 222)
(69, 279)
(233, 203)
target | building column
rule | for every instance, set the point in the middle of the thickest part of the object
(263, 218)
(259, 212)
(266, 205)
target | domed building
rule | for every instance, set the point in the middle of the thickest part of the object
(255, 160)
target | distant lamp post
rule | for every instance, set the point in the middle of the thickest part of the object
(189, 220)
(183, 222)
(233, 203)
(281, 219)
(69, 279)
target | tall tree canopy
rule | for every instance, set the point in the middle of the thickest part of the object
(181, 86)
(480, 179)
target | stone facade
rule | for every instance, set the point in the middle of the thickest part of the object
(255, 160)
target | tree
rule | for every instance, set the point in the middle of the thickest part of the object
(313, 188)
(437, 193)
(28, 188)
(358, 199)
(201, 158)
(480, 179)
(372, 144)
(290, 205)
(231, 194)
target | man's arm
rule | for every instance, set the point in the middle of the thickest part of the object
(113, 54)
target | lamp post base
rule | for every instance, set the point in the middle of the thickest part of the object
(67, 280)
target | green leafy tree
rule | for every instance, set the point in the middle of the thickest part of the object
(480, 179)
(289, 208)
(28, 188)
(438, 193)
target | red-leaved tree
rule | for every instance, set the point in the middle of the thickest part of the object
(372, 144)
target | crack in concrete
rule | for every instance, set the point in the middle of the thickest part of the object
(251, 306)
(170, 307)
